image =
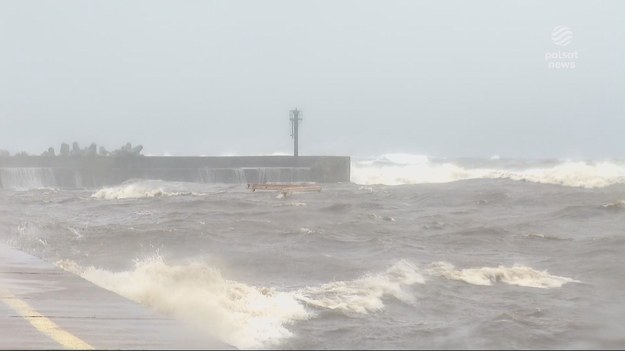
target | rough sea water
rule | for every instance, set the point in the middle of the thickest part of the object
(414, 253)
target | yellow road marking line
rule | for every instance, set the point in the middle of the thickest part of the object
(42, 323)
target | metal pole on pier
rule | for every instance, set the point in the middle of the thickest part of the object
(295, 118)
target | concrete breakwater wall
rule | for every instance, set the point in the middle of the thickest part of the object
(71, 172)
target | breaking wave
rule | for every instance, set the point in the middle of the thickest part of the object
(141, 189)
(247, 316)
(515, 275)
(243, 315)
(397, 169)
(364, 295)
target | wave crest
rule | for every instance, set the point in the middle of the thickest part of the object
(136, 190)
(515, 275)
(364, 295)
(242, 315)
(398, 169)
(249, 317)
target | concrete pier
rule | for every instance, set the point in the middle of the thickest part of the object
(94, 171)
(44, 307)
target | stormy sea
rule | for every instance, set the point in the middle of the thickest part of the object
(413, 253)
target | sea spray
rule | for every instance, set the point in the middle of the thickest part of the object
(398, 169)
(27, 178)
(144, 189)
(243, 315)
(253, 317)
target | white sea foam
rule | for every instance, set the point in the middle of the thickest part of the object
(615, 205)
(132, 191)
(243, 315)
(575, 174)
(403, 159)
(397, 169)
(140, 189)
(515, 275)
(364, 295)
(252, 317)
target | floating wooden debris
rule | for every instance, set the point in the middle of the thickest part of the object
(285, 189)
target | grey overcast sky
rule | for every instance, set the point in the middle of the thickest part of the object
(442, 78)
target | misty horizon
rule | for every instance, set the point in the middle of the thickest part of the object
(443, 79)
